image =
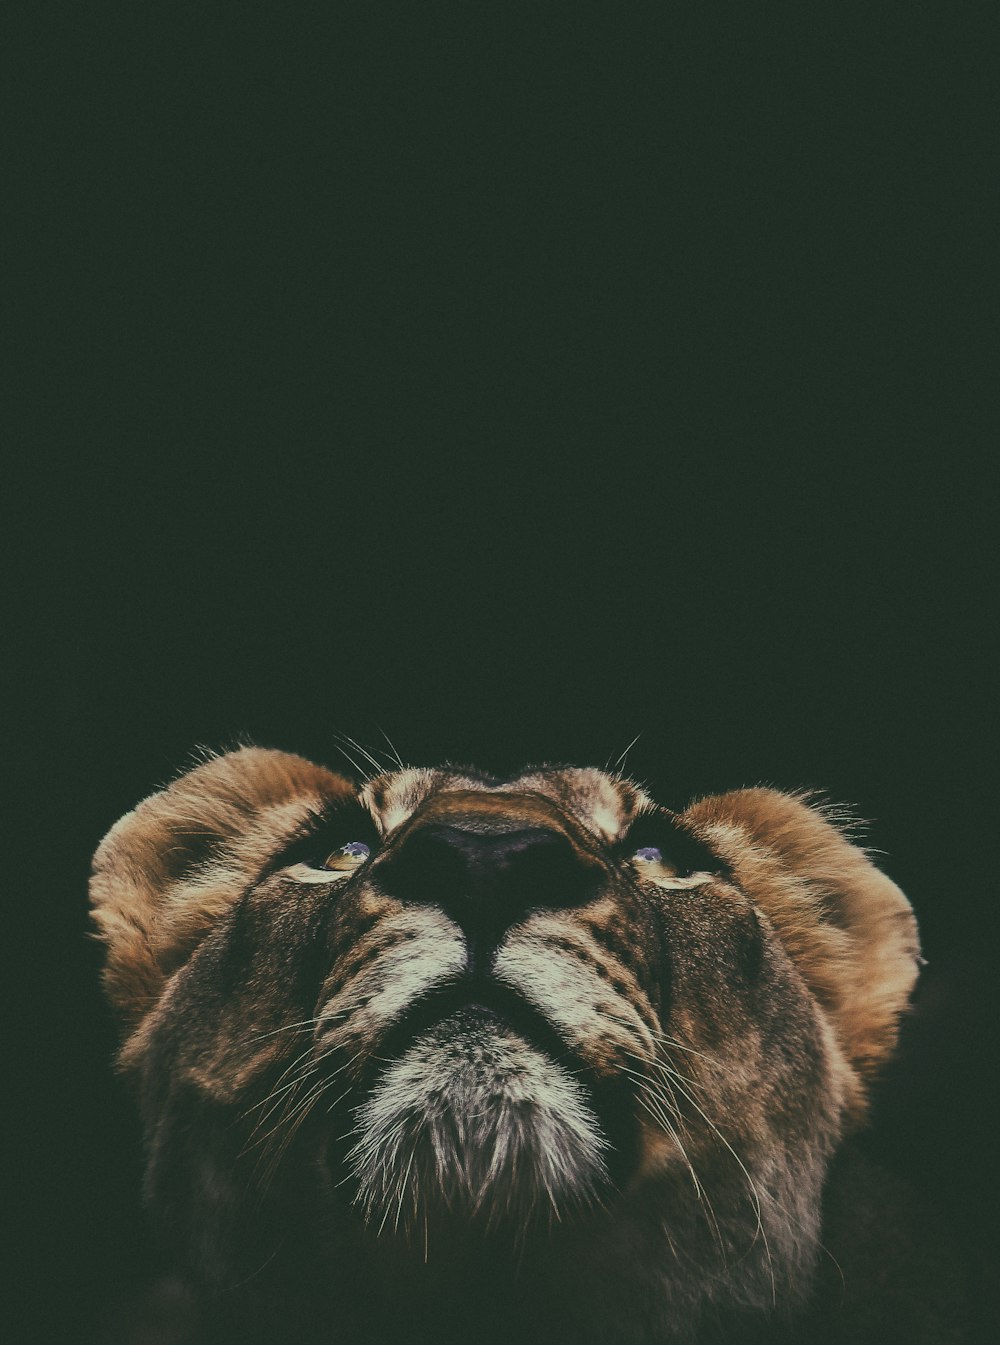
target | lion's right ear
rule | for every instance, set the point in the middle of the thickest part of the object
(847, 927)
(167, 870)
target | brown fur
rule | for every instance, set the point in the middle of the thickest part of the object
(620, 1115)
(848, 928)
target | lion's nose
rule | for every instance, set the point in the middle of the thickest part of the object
(488, 881)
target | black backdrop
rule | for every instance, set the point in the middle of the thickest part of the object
(513, 382)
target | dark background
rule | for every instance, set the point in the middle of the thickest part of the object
(512, 381)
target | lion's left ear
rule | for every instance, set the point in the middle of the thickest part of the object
(849, 929)
(168, 870)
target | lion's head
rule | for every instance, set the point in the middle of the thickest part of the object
(442, 1040)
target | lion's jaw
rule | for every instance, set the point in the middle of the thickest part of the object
(474, 1126)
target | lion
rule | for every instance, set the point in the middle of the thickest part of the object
(441, 1056)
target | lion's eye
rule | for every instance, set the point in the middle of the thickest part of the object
(651, 864)
(648, 854)
(659, 850)
(348, 856)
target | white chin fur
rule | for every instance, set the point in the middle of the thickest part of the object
(474, 1123)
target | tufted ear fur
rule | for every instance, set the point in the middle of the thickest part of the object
(167, 870)
(850, 930)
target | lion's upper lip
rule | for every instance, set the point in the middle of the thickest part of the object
(482, 995)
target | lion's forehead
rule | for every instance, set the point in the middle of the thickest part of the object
(602, 803)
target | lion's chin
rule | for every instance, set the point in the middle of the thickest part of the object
(473, 1128)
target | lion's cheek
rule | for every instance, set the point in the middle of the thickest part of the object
(405, 957)
(602, 1023)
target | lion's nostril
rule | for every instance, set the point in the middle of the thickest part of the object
(487, 881)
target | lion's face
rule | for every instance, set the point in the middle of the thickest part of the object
(477, 1022)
